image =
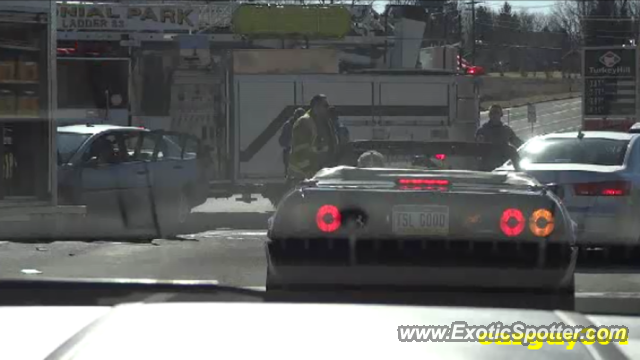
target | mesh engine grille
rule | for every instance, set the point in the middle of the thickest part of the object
(419, 253)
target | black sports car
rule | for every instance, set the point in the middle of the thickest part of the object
(408, 225)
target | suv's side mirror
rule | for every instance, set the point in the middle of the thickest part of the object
(556, 189)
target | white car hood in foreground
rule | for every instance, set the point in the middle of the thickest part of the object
(35, 332)
(278, 331)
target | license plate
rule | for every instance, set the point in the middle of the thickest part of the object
(420, 220)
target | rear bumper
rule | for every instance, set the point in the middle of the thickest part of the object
(479, 278)
(287, 272)
(619, 228)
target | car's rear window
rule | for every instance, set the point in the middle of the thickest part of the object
(68, 144)
(592, 151)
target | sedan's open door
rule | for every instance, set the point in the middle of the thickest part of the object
(179, 174)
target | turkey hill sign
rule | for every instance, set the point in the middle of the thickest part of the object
(125, 17)
(610, 63)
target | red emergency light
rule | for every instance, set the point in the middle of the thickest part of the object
(439, 182)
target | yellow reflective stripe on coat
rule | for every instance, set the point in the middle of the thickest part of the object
(300, 172)
(302, 164)
(312, 127)
(301, 147)
(301, 150)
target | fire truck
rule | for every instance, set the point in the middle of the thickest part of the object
(380, 105)
(222, 77)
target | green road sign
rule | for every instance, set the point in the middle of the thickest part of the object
(610, 86)
(311, 21)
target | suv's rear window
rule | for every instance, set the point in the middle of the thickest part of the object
(592, 151)
(68, 144)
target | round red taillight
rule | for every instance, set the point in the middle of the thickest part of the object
(512, 222)
(328, 218)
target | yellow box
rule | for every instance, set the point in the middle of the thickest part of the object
(7, 102)
(7, 70)
(28, 104)
(27, 71)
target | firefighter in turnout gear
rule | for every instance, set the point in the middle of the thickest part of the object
(314, 141)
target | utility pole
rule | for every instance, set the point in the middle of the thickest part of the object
(473, 32)
(460, 40)
(445, 34)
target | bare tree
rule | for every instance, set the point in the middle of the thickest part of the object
(566, 17)
(634, 8)
(532, 21)
(545, 22)
(540, 21)
(525, 20)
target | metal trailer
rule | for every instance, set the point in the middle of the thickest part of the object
(425, 106)
(28, 186)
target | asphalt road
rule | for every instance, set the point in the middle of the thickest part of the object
(227, 237)
(230, 252)
(232, 257)
(552, 116)
(225, 244)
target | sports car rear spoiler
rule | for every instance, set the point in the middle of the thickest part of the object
(354, 149)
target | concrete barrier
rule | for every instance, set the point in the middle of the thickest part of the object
(610, 303)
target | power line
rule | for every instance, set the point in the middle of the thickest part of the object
(524, 7)
(608, 19)
(518, 6)
(473, 31)
(515, 46)
(517, 30)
